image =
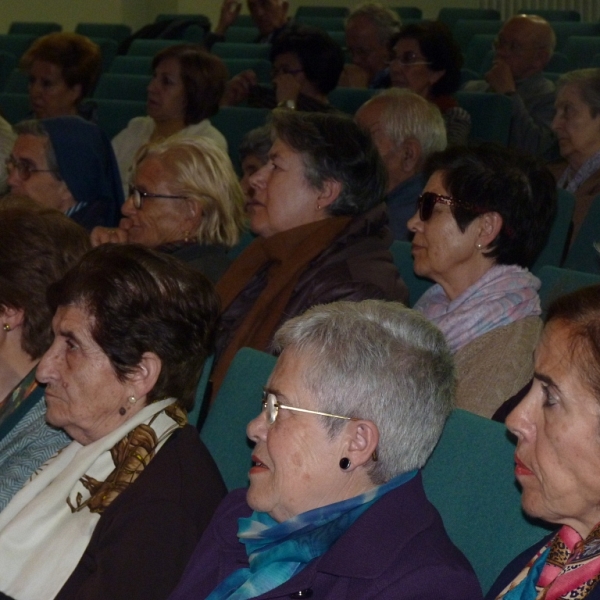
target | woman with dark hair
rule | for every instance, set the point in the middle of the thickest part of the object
(307, 65)
(483, 218)
(557, 459)
(322, 230)
(185, 91)
(427, 60)
(37, 246)
(117, 513)
(63, 69)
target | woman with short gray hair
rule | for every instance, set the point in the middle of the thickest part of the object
(354, 407)
(322, 229)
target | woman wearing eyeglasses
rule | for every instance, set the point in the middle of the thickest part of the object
(67, 163)
(483, 218)
(336, 507)
(307, 65)
(427, 60)
(184, 200)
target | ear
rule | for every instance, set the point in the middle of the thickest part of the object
(13, 317)
(193, 214)
(490, 224)
(145, 375)
(410, 152)
(362, 438)
(329, 193)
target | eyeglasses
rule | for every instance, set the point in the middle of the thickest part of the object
(512, 46)
(24, 168)
(409, 59)
(272, 408)
(276, 71)
(138, 196)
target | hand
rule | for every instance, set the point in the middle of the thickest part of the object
(108, 235)
(230, 10)
(287, 87)
(354, 76)
(500, 78)
(238, 88)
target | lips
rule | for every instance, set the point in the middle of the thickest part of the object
(520, 468)
(257, 466)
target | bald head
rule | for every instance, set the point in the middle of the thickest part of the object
(525, 43)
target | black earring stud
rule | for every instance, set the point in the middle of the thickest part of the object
(344, 463)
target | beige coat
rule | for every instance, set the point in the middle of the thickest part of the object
(496, 365)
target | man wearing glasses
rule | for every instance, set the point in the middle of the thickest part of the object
(522, 50)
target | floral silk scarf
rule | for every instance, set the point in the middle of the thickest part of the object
(567, 568)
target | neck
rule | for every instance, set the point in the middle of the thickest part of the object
(165, 129)
(465, 276)
(396, 178)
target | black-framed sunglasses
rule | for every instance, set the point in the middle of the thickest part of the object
(138, 196)
(24, 168)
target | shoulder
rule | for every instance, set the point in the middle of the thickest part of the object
(207, 130)
(358, 265)
(515, 567)
(400, 549)
(536, 85)
(477, 85)
(138, 126)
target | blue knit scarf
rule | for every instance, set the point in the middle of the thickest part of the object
(278, 551)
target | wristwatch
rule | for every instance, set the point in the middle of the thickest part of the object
(291, 104)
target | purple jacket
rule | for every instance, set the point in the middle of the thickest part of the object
(397, 550)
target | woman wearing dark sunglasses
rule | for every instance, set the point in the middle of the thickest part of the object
(185, 200)
(482, 220)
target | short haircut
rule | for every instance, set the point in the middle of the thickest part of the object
(257, 142)
(439, 49)
(587, 81)
(516, 185)
(408, 115)
(78, 58)
(204, 76)
(386, 21)
(333, 147)
(580, 311)
(142, 301)
(382, 362)
(37, 247)
(200, 170)
(322, 58)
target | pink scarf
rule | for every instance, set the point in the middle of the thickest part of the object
(505, 294)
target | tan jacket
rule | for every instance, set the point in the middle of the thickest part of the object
(496, 365)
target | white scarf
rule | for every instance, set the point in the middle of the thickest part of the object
(41, 539)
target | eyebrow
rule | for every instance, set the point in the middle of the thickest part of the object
(546, 379)
(69, 335)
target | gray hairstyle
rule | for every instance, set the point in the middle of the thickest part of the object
(407, 114)
(385, 19)
(587, 81)
(382, 362)
(36, 128)
(257, 142)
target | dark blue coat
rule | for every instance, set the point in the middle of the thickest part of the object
(397, 550)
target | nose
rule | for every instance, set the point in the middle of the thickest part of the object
(13, 180)
(521, 421)
(258, 428)
(259, 179)
(152, 86)
(128, 208)
(556, 122)
(46, 369)
(415, 224)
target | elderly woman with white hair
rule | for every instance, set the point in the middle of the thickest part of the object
(185, 200)
(336, 507)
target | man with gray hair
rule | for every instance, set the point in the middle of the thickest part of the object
(406, 129)
(523, 48)
(369, 28)
(269, 16)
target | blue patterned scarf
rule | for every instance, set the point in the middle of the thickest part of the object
(278, 551)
